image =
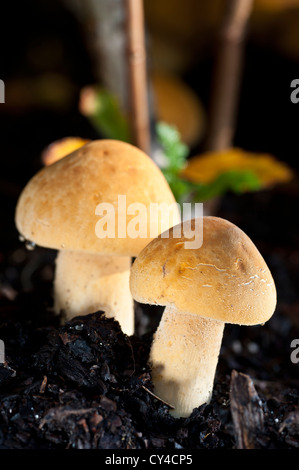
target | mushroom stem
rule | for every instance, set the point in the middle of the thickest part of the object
(184, 357)
(85, 283)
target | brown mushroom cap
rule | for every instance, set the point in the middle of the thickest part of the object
(225, 279)
(57, 207)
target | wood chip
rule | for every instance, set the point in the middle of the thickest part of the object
(246, 410)
(43, 385)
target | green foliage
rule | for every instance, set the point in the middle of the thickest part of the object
(174, 149)
(112, 123)
(176, 153)
(237, 181)
(109, 118)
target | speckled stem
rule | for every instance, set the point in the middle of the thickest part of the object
(85, 283)
(184, 357)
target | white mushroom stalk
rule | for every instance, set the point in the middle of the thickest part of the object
(87, 282)
(183, 358)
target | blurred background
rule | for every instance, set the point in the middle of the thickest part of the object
(54, 55)
(51, 50)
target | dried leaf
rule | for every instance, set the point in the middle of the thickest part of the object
(207, 167)
(61, 148)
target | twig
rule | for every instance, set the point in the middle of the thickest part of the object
(133, 357)
(226, 75)
(157, 398)
(137, 74)
(43, 385)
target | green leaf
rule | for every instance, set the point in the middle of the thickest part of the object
(174, 149)
(109, 118)
(176, 153)
(237, 181)
(180, 188)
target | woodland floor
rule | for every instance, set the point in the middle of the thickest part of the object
(86, 385)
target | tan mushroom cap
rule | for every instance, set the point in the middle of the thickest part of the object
(225, 279)
(57, 207)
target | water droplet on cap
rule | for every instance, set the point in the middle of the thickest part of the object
(30, 245)
(21, 238)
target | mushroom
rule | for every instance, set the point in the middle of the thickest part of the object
(226, 280)
(57, 209)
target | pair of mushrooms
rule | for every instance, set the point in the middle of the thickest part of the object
(224, 281)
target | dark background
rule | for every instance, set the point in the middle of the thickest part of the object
(44, 37)
(40, 38)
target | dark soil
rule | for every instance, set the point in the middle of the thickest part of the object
(86, 385)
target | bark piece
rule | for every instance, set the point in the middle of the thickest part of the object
(246, 410)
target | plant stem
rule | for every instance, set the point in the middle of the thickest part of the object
(105, 36)
(136, 54)
(226, 75)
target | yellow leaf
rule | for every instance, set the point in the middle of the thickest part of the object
(61, 148)
(207, 167)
